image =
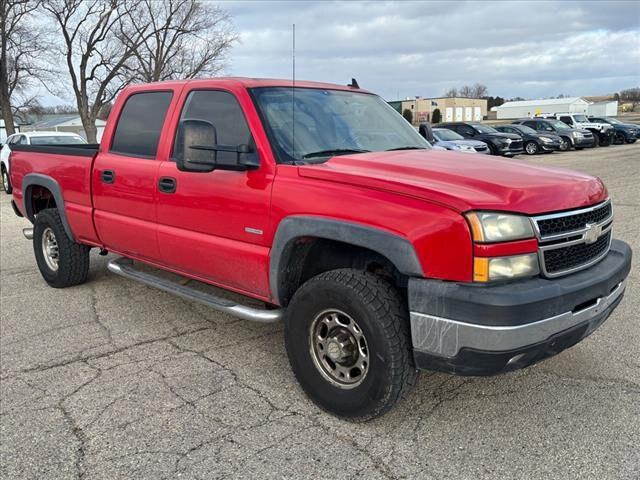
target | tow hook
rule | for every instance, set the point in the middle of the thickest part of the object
(28, 233)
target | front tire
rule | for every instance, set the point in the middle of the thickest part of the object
(531, 148)
(6, 181)
(62, 262)
(347, 338)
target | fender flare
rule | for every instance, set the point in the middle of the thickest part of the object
(37, 179)
(397, 249)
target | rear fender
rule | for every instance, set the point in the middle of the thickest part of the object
(37, 179)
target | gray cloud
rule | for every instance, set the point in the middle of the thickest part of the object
(403, 49)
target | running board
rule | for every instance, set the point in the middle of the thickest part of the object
(124, 267)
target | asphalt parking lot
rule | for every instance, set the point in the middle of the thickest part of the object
(113, 379)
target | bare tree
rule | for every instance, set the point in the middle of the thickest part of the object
(466, 91)
(452, 92)
(187, 39)
(20, 42)
(632, 96)
(97, 43)
(478, 90)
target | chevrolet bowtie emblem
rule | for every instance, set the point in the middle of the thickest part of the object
(593, 232)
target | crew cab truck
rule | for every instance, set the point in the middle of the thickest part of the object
(383, 256)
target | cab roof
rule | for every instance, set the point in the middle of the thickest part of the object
(248, 82)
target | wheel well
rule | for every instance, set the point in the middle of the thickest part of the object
(307, 257)
(37, 198)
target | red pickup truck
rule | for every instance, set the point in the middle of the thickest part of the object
(382, 255)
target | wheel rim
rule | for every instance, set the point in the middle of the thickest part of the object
(5, 181)
(564, 145)
(532, 148)
(619, 138)
(50, 249)
(339, 348)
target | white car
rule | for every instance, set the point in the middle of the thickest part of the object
(32, 138)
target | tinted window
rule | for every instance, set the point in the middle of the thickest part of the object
(567, 120)
(140, 124)
(22, 140)
(223, 111)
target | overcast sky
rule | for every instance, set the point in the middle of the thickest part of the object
(401, 49)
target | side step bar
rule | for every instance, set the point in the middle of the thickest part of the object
(124, 267)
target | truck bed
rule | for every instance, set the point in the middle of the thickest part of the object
(70, 166)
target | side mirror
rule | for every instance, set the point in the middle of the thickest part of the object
(427, 132)
(197, 150)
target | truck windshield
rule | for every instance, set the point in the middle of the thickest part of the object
(327, 122)
(581, 118)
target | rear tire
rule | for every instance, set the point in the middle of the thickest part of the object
(62, 262)
(6, 181)
(372, 366)
(531, 148)
(565, 144)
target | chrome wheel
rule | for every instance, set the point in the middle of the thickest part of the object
(564, 145)
(339, 349)
(5, 180)
(50, 249)
(531, 148)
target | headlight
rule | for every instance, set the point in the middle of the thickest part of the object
(577, 135)
(546, 139)
(505, 268)
(499, 227)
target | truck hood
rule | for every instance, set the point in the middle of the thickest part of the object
(461, 183)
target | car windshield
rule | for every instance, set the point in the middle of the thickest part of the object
(57, 140)
(484, 129)
(560, 125)
(328, 122)
(581, 118)
(525, 129)
(444, 135)
(612, 121)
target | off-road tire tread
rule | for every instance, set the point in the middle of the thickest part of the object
(73, 266)
(391, 312)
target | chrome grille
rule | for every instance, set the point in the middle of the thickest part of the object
(574, 240)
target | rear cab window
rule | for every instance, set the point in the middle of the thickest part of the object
(140, 124)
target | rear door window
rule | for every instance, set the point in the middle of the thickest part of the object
(140, 124)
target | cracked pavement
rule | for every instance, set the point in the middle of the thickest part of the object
(113, 379)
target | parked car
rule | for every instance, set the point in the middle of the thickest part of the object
(31, 138)
(534, 142)
(569, 137)
(451, 140)
(505, 144)
(622, 132)
(602, 132)
(368, 243)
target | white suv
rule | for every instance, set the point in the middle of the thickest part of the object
(32, 138)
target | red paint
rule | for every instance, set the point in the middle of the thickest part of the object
(506, 248)
(200, 230)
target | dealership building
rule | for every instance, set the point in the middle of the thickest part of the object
(452, 109)
(531, 108)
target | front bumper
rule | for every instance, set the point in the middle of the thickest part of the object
(550, 146)
(485, 330)
(585, 142)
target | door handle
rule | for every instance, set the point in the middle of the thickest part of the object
(108, 176)
(167, 184)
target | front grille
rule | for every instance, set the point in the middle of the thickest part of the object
(568, 258)
(480, 149)
(570, 223)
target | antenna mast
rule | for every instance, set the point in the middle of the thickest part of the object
(293, 95)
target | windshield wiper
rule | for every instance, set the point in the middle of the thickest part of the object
(333, 152)
(405, 148)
